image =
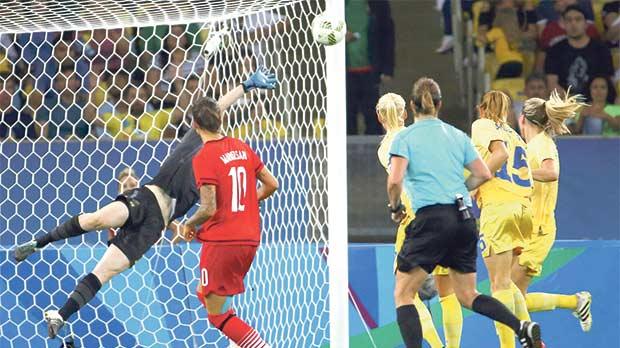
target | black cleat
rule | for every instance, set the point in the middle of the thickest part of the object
(21, 252)
(529, 335)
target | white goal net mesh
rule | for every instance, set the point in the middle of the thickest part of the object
(88, 88)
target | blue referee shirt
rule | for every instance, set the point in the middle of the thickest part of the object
(437, 154)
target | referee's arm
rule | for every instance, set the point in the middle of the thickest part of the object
(480, 174)
(398, 165)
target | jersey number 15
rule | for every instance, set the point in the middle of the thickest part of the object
(239, 186)
(519, 161)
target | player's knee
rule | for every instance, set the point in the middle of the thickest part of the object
(466, 297)
(91, 221)
(501, 282)
(401, 294)
(218, 320)
(107, 272)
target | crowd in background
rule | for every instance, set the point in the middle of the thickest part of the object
(139, 82)
(117, 83)
(130, 83)
(534, 47)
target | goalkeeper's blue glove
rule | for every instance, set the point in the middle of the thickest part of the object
(261, 78)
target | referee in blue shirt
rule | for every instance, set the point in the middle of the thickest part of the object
(429, 156)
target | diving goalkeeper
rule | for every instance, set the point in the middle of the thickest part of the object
(142, 214)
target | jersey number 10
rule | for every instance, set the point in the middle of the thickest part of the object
(239, 185)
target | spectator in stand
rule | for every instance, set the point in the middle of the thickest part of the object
(600, 118)
(14, 124)
(510, 26)
(66, 51)
(574, 60)
(370, 59)
(151, 42)
(523, 10)
(255, 28)
(64, 108)
(506, 38)
(181, 116)
(554, 31)
(551, 10)
(133, 117)
(154, 85)
(36, 50)
(137, 98)
(109, 50)
(445, 6)
(535, 87)
(611, 20)
(114, 114)
(118, 83)
(9, 47)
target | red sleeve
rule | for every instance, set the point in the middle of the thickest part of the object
(545, 36)
(204, 170)
(592, 31)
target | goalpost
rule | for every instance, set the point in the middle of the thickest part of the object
(88, 88)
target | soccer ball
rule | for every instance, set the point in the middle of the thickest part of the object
(328, 30)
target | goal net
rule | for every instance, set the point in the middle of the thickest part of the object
(89, 88)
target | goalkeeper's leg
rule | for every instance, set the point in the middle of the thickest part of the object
(114, 261)
(110, 216)
(225, 320)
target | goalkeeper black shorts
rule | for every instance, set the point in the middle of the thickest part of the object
(439, 236)
(144, 226)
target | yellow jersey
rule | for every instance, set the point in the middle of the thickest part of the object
(545, 194)
(503, 52)
(150, 125)
(513, 181)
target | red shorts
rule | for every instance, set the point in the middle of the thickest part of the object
(222, 269)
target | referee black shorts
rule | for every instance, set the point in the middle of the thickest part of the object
(144, 226)
(438, 236)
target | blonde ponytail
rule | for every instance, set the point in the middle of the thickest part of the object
(551, 114)
(390, 109)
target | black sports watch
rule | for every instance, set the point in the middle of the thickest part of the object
(396, 209)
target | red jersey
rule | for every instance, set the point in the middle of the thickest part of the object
(231, 165)
(554, 33)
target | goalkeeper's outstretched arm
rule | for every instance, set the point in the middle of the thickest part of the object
(261, 79)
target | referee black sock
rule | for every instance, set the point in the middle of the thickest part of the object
(85, 290)
(492, 308)
(410, 327)
(67, 229)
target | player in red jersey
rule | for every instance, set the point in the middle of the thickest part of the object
(226, 172)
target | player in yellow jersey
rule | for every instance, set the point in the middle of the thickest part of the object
(540, 121)
(392, 115)
(504, 201)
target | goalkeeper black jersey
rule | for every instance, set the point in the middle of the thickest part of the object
(176, 175)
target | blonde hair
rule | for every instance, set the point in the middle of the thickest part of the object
(126, 172)
(390, 109)
(550, 114)
(495, 106)
(426, 96)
